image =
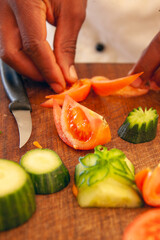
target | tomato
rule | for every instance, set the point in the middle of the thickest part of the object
(151, 188)
(78, 91)
(78, 126)
(130, 91)
(144, 227)
(140, 177)
(104, 87)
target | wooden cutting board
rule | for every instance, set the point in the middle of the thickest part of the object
(58, 215)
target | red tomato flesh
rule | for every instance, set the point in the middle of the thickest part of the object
(104, 87)
(145, 227)
(78, 91)
(151, 188)
(78, 126)
(140, 178)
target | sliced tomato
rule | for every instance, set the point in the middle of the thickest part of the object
(79, 127)
(104, 86)
(130, 91)
(145, 226)
(140, 177)
(151, 188)
(78, 91)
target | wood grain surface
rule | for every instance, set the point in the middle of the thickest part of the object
(58, 215)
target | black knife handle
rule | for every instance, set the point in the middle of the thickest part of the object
(13, 85)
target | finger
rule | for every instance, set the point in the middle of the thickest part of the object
(156, 77)
(32, 24)
(68, 26)
(11, 47)
(149, 61)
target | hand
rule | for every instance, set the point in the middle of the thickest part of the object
(149, 63)
(23, 43)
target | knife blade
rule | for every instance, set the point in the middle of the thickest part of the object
(19, 105)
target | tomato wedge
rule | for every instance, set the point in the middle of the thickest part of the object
(151, 188)
(130, 91)
(140, 177)
(78, 91)
(145, 226)
(78, 126)
(104, 87)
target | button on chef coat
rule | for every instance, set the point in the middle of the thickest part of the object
(124, 27)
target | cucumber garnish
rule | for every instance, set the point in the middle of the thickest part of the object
(140, 126)
(106, 179)
(46, 169)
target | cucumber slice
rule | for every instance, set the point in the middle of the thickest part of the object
(17, 196)
(106, 181)
(46, 169)
(140, 126)
(109, 193)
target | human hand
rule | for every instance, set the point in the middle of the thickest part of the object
(149, 63)
(23, 43)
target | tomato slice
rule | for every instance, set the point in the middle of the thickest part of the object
(145, 226)
(79, 127)
(130, 91)
(151, 188)
(140, 177)
(104, 86)
(78, 91)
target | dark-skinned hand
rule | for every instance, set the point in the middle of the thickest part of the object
(149, 63)
(23, 43)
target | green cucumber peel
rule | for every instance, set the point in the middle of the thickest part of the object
(139, 126)
(89, 160)
(112, 163)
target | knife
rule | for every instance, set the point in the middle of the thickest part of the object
(19, 105)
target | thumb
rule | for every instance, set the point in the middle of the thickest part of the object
(68, 27)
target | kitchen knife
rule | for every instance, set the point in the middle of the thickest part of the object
(19, 105)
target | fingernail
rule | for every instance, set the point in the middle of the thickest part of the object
(57, 87)
(137, 82)
(72, 72)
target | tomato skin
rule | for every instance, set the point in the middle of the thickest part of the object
(145, 226)
(104, 87)
(151, 188)
(99, 131)
(78, 91)
(140, 177)
(57, 119)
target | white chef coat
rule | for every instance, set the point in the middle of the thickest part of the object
(123, 27)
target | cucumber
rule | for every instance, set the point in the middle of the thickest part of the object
(17, 196)
(109, 193)
(46, 169)
(106, 179)
(139, 126)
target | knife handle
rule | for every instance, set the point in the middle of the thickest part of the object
(13, 85)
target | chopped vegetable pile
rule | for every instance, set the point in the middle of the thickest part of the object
(106, 179)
